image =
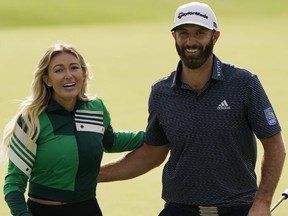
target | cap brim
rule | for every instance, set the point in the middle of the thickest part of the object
(193, 23)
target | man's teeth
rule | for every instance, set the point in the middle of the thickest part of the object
(69, 84)
(192, 50)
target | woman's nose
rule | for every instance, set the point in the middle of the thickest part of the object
(68, 73)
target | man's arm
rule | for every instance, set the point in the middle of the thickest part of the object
(134, 163)
(272, 164)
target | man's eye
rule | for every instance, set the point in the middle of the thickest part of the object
(199, 33)
(184, 34)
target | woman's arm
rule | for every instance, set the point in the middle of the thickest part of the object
(134, 163)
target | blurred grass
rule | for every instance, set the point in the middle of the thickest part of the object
(129, 46)
(73, 12)
(16, 13)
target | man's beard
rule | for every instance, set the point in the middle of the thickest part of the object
(200, 59)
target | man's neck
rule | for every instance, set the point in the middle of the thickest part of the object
(197, 78)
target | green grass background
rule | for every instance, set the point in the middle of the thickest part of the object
(129, 46)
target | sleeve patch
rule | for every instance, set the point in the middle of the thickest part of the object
(270, 116)
(22, 151)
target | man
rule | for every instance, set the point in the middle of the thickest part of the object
(207, 114)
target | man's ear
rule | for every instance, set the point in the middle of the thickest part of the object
(46, 80)
(216, 36)
(173, 34)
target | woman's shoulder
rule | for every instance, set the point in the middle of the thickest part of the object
(95, 103)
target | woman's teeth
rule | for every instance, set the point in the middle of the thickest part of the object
(69, 84)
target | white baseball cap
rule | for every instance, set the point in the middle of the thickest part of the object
(195, 13)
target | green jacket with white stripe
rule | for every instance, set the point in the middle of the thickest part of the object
(64, 163)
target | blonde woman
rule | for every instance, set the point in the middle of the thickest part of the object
(56, 141)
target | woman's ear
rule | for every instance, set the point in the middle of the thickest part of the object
(46, 80)
(84, 73)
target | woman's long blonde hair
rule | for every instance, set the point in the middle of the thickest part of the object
(35, 104)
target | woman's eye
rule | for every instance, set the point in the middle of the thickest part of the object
(58, 70)
(75, 67)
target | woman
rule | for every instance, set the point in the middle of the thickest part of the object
(57, 140)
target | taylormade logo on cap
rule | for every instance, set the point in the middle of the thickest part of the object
(181, 14)
(195, 13)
